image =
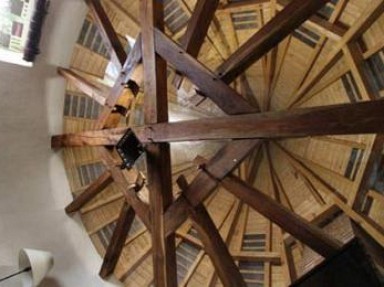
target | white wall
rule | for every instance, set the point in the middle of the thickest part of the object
(33, 185)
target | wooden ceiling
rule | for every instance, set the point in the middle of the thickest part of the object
(290, 91)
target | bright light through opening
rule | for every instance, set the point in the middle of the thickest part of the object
(15, 17)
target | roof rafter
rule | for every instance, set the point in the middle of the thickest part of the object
(373, 11)
(332, 192)
(90, 192)
(214, 244)
(84, 85)
(107, 31)
(290, 18)
(292, 223)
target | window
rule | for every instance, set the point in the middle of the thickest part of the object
(90, 172)
(377, 177)
(186, 255)
(90, 38)
(253, 242)
(81, 107)
(244, 20)
(105, 234)
(15, 18)
(350, 87)
(354, 163)
(306, 36)
(375, 66)
(175, 16)
(253, 273)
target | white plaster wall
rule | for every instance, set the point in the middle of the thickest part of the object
(33, 185)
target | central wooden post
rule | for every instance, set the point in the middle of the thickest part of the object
(158, 155)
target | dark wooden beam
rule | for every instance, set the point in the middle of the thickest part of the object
(122, 184)
(214, 244)
(375, 155)
(357, 118)
(285, 22)
(90, 192)
(197, 30)
(209, 84)
(157, 155)
(309, 234)
(83, 85)
(116, 245)
(108, 33)
(198, 26)
(222, 164)
(258, 256)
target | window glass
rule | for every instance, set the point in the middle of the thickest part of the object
(15, 16)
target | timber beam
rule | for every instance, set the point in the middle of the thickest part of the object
(302, 230)
(108, 33)
(271, 34)
(214, 244)
(357, 118)
(90, 192)
(119, 236)
(88, 88)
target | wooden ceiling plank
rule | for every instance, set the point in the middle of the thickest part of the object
(310, 235)
(117, 243)
(290, 18)
(108, 33)
(84, 85)
(158, 157)
(282, 189)
(373, 11)
(312, 189)
(90, 192)
(214, 244)
(209, 84)
(124, 13)
(375, 154)
(271, 257)
(332, 192)
(275, 188)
